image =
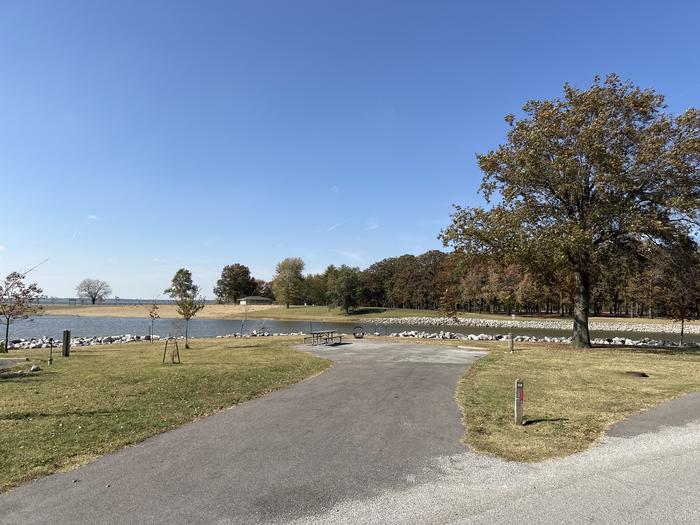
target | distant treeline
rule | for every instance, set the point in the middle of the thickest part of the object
(435, 280)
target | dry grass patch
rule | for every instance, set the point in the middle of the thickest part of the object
(571, 396)
(106, 397)
(166, 311)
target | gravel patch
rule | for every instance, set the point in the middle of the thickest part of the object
(649, 478)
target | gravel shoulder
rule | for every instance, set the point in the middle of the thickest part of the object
(647, 475)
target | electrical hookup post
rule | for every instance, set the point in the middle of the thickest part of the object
(519, 398)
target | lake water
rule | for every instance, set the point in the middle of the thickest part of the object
(53, 326)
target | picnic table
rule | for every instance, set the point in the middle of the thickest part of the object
(318, 337)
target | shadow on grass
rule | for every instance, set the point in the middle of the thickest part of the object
(14, 377)
(19, 416)
(662, 350)
(367, 310)
(544, 420)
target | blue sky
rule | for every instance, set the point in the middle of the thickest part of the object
(137, 137)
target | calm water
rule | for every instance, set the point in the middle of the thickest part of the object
(53, 326)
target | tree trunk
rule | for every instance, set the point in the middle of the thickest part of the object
(93, 299)
(5, 349)
(187, 326)
(582, 294)
(682, 330)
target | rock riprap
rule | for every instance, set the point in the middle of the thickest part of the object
(542, 324)
(44, 342)
(613, 341)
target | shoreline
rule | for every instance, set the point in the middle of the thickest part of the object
(82, 341)
(267, 313)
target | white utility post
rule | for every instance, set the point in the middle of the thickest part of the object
(519, 398)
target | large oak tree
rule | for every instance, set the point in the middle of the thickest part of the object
(93, 289)
(586, 176)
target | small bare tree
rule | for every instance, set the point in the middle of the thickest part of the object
(17, 301)
(153, 314)
(93, 289)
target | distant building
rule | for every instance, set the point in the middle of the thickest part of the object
(255, 299)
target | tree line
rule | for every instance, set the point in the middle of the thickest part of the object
(653, 281)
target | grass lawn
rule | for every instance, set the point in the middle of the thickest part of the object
(106, 397)
(571, 396)
(323, 313)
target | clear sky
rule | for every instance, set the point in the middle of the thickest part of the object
(137, 137)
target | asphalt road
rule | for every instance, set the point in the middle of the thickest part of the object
(374, 440)
(373, 422)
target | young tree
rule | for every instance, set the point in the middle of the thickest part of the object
(344, 287)
(188, 306)
(235, 283)
(288, 282)
(17, 301)
(187, 298)
(595, 171)
(93, 289)
(153, 315)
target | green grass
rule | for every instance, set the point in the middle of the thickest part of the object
(571, 396)
(106, 397)
(323, 313)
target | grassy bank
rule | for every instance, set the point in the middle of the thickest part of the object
(104, 398)
(299, 313)
(571, 396)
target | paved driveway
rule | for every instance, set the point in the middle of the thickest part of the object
(374, 423)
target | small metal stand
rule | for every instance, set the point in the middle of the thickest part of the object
(175, 350)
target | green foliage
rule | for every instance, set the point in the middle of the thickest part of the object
(591, 174)
(316, 289)
(181, 284)
(344, 287)
(235, 283)
(188, 306)
(288, 282)
(187, 299)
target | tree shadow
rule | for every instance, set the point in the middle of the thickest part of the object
(544, 420)
(19, 416)
(659, 350)
(367, 310)
(14, 377)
